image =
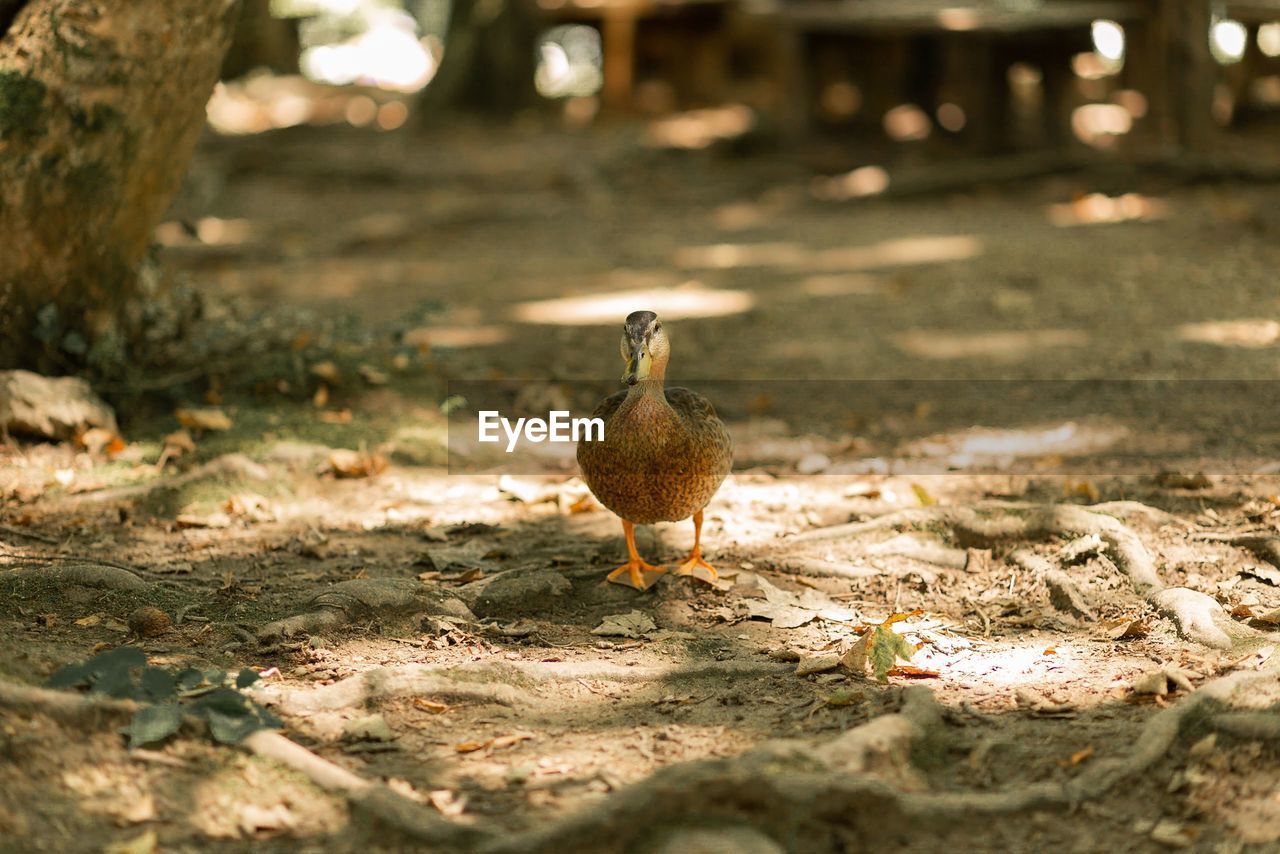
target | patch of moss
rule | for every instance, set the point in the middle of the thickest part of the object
(21, 105)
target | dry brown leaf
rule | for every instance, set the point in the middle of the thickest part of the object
(336, 416)
(91, 620)
(923, 496)
(207, 418)
(912, 672)
(1130, 630)
(431, 706)
(351, 464)
(505, 741)
(450, 804)
(471, 746)
(855, 660)
(1079, 756)
(327, 371)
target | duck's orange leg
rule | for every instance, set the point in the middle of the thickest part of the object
(635, 572)
(695, 565)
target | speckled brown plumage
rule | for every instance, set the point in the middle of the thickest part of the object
(664, 454)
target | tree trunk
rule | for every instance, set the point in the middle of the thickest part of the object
(490, 56)
(100, 107)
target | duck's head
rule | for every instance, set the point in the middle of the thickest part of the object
(644, 347)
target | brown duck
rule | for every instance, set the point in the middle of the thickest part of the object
(664, 453)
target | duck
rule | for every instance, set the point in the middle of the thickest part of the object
(664, 452)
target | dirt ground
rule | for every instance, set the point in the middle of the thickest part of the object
(464, 654)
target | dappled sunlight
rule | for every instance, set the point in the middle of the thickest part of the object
(941, 344)
(985, 446)
(1248, 334)
(700, 128)
(456, 337)
(264, 102)
(1098, 208)
(209, 230)
(899, 252)
(691, 300)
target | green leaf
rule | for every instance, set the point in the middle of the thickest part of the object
(158, 684)
(189, 678)
(887, 646)
(246, 677)
(113, 672)
(71, 676)
(154, 723)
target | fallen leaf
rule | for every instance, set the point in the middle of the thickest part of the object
(923, 496)
(1265, 574)
(91, 620)
(208, 418)
(505, 741)
(911, 672)
(372, 375)
(336, 416)
(431, 706)
(351, 464)
(886, 647)
(817, 664)
(1130, 630)
(470, 746)
(144, 843)
(449, 804)
(327, 371)
(1080, 756)
(855, 659)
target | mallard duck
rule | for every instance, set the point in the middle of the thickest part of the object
(664, 452)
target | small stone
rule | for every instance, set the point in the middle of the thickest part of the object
(1171, 834)
(50, 408)
(149, 622)
(784, 654)
(369, 728)
(813, 464)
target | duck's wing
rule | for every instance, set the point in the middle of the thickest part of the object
(691, 406)
(609, 405)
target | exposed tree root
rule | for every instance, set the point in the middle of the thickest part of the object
(225, 466)
(992, 524)
(100, 576)
(387, 806)
(374, 799)
(857, 784)
(1262, 546)
(509, 683)
(353, 600)
(64, 706)
(1261, 726)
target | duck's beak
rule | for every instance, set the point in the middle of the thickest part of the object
(637, 364)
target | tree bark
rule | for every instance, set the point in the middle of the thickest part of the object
(490, 57)
(100, 107)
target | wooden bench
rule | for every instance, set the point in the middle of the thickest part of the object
(976, 40)
(619, 22)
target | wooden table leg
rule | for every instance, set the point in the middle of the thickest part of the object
(618, 31)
